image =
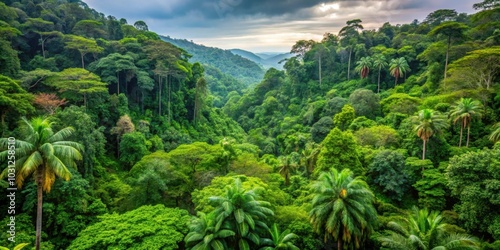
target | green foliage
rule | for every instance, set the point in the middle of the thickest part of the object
(204, 233)
(338, 151)
(78, 81)
(13, 99)
(432, 190)
(148, 227)
(86, 133)
(281, 240)
(320, 129)
(365, 103)
(377, 136)
(400, 103)
(132, 148)
(68, 209)
(473, 179)
(485, 63)
(266, 192)
(343, 119)
(387, 172)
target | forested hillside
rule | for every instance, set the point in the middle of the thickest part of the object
(246, 71)
(368, 139)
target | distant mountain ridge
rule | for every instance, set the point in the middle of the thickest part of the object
(245, 70)
(266, 60)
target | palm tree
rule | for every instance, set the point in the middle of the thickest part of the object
(464, 111)
(363, 66)
(423, 230)
(398, 67)
(342, 208)
(287, 167)
(379, 62)
(309, 156)
(280, 241)
(44, 154)
(239, 210)
(495, 135)
(204, 235)
(430, 122)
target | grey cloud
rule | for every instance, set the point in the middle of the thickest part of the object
(234, 23)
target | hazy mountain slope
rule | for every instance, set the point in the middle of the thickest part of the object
(246, 71)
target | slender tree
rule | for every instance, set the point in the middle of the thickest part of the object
(342, 208)
(422, 230)
(349, 34)
(398, 68)
(379, 62)
(200, 94)
(430, 122)
(83, 45)
(45, 155)
(449, 30)
(464, 111)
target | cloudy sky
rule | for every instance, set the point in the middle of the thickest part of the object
(267, 25)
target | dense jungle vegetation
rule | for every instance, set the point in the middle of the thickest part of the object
(368, 139)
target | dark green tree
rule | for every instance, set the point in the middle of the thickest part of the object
(338, 151)
(14, 100)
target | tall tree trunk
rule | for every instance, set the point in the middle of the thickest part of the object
(195, 104)
(83, 63)
(159, 95)
(447, 56)
(423, 151)
(169, 86)
(118, 146)
(118, 82)
(349, 66)
(468, 134)
(461, 130)
(320, 71)
(142, 101)
(43, 46)
(339, 243)
(396, 82)
(39, 208)
(378, 84)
